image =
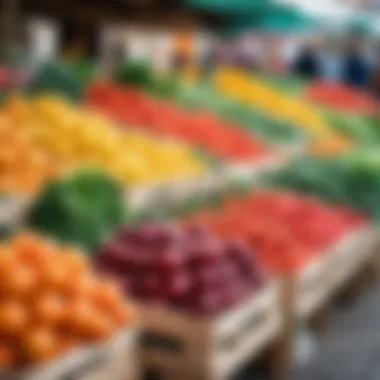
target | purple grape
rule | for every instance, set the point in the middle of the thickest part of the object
(132, 237)
(151, 283)
(190, 268)
(197, 232)
(206, 277)
(160, 236)
(178, 285)
(204, 251)
(169, 260)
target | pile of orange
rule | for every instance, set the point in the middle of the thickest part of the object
(52, 302)
(23, 166)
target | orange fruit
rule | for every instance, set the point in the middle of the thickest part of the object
(80, 314)
(13, 317)
(49, 309)
(54, 276)
(51, 302)
(34, 252)
(104, 295)
(76, 287)
(6, 356)
(76, 262)
(6, 260)
(87, 322)
(18, 281)
(26, 244)
(99, 327)
(40, 344)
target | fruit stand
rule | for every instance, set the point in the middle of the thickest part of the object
(172, 229)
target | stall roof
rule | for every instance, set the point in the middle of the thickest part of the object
(229, 6)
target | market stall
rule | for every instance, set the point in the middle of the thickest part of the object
(174, 227)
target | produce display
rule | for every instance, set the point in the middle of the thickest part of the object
(189, 268)
(254, 92)
(257, 93)
(284, 230)
(51, 303)
(352, 180)
(341, 97)
(102, 168)
(199, 95)
(349, 111)
(72, 137)
(201, 129)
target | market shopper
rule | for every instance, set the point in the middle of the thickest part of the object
(356, 69)
(331, 62)
(307, 64)
(375, 76)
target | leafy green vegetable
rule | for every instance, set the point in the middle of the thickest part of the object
(84, 209)
(356, 127)
(57, 77)
(139, 73)
(352, 180)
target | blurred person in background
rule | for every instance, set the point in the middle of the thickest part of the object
(307, 63)
(331, 61)
(375, 77)
(356, 70)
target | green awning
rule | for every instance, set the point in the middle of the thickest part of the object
(276, 19)
(286, 19)
(229, 6)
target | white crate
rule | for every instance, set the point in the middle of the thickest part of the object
(177, 345)
(113, 360)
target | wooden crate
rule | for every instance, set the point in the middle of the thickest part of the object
(304, 291)
(349, 256)
(142, 198)
(312, 286)
(310, 289)
(176, 345)
(306, 295)
(113, 360)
